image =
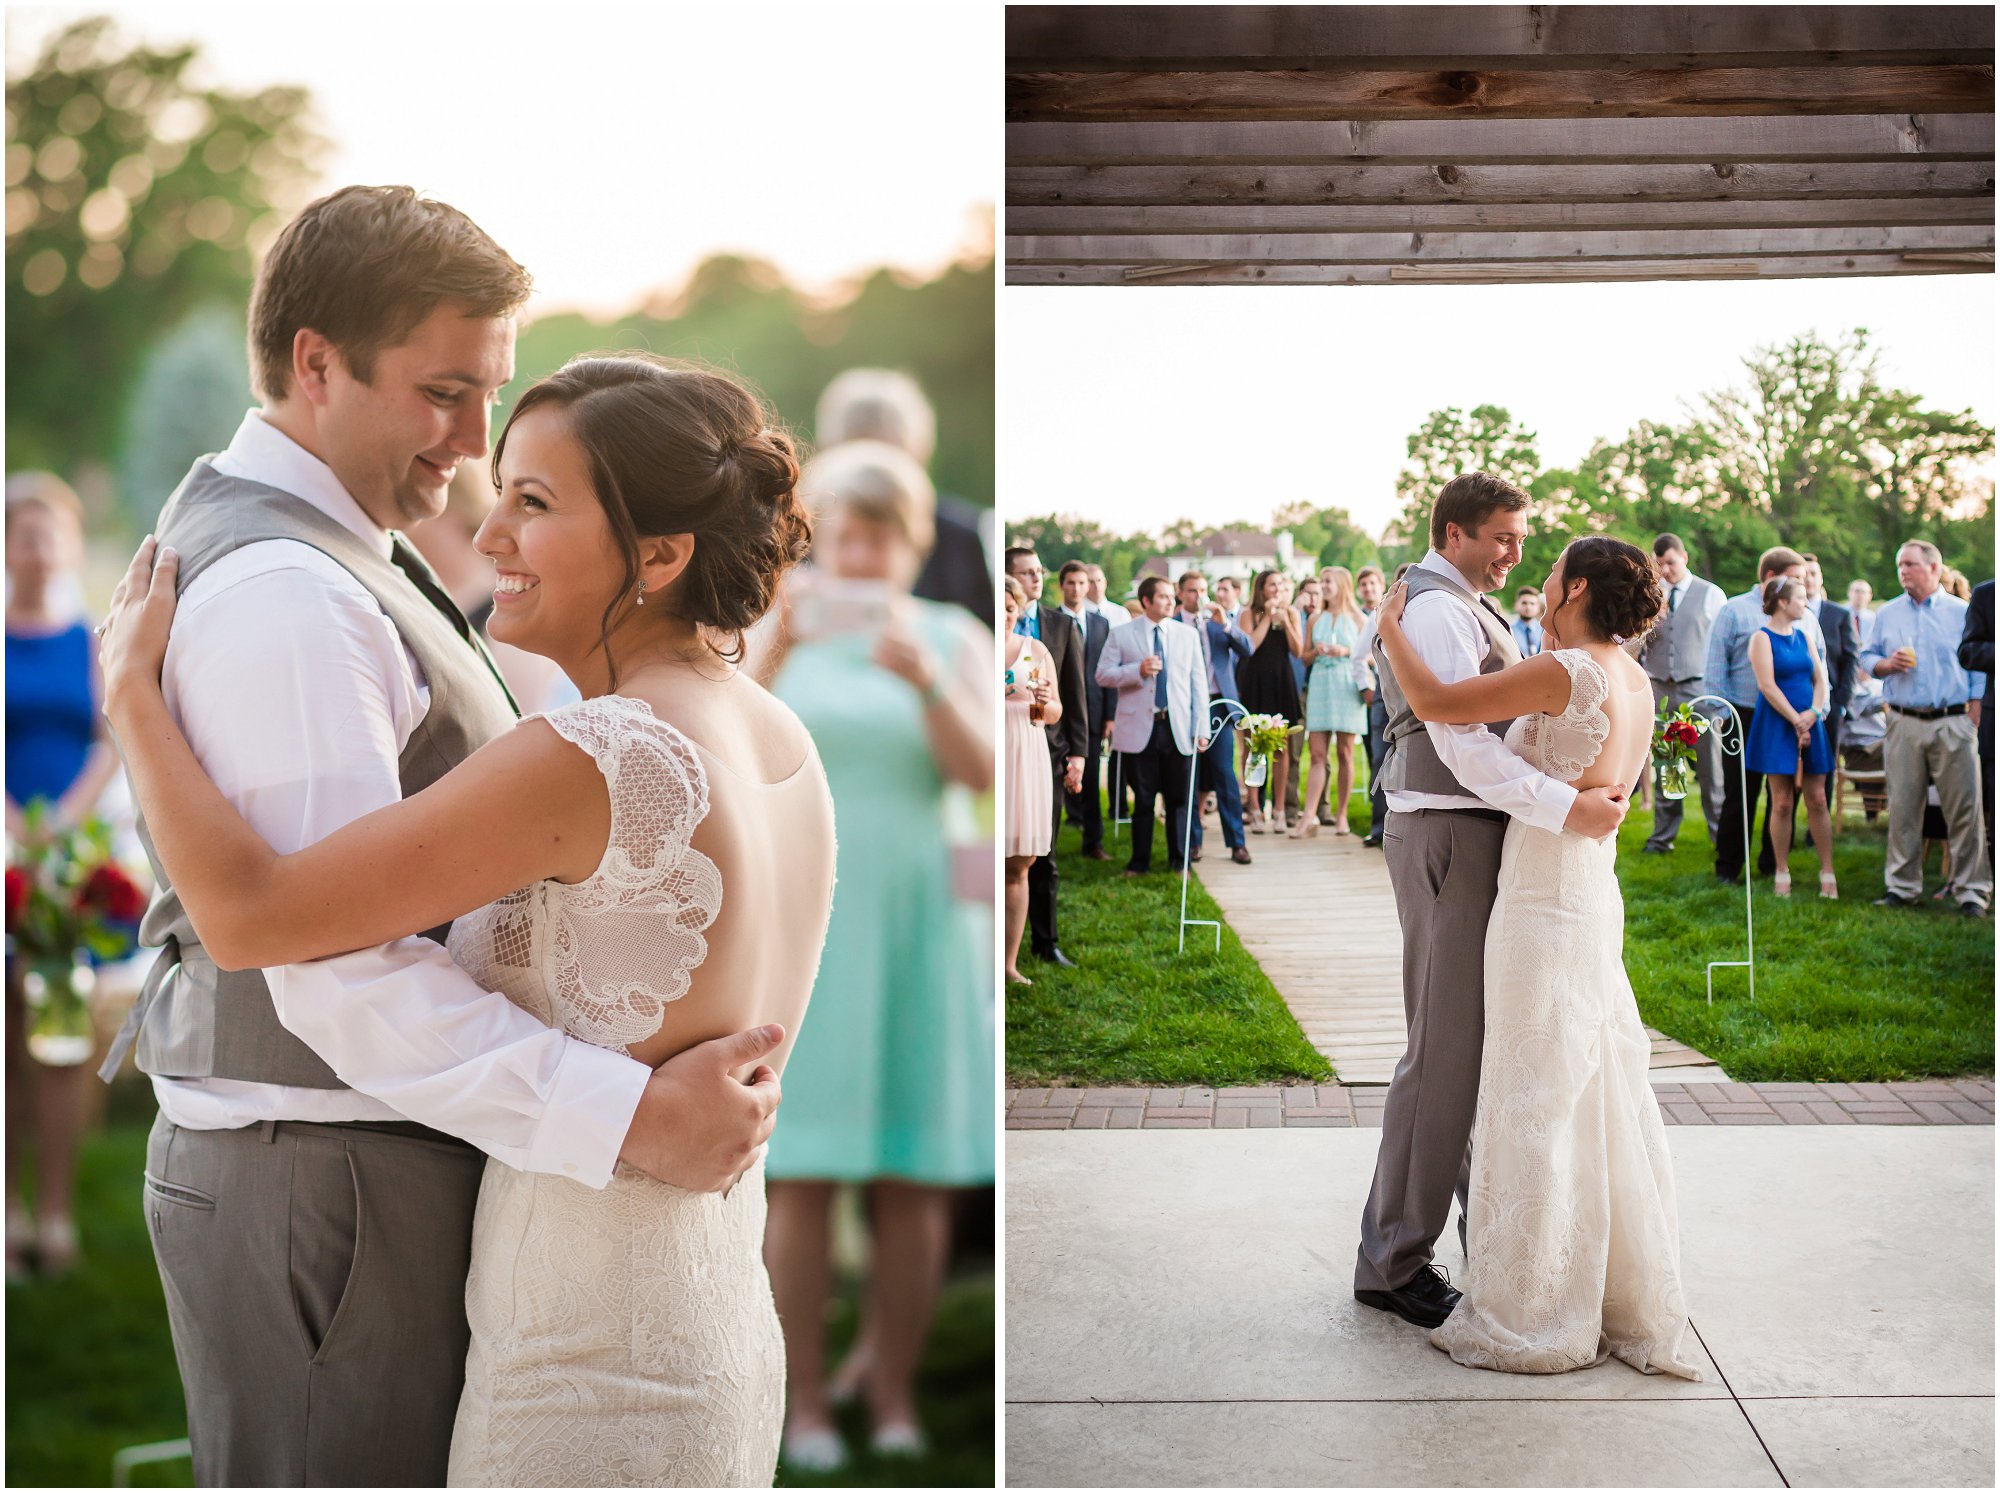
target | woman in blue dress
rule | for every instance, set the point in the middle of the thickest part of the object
(1334, 711)
(891, 1084)
(1787, 730)
(58, 753)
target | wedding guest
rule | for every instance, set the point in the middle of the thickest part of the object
(1369, 589)
(60, 754)
(881, 404)
(1221, 646)
(1265, 679)
(1334, 708)
(1527, 621)
(1788, 733)
(1068, 740)
(1030, 693)
(1859, 595)
(1096, 593)
(1841, 647)
(1306, 603)
(892, 1088)
(1085, 807)
(1930, 741)
(1162, 719)
(1975, 656)
(1229, 596)
(1727, 673)
(1672, 656)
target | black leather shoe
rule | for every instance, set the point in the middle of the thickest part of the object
(1426, 1300)
(1241, 855)
(1097, 853)
(1194, 854)
(1371, 842)
(1890, 899)
(1971, 910)
(1656, 850)
(1058, 958)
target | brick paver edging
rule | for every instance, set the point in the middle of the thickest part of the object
(1958, 1101)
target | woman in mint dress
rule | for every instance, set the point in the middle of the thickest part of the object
(1334, 709)
(891, 1082)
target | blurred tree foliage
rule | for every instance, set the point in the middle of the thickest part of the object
(740, 315)
(1811, 449)
(134, 197)
(188, 399)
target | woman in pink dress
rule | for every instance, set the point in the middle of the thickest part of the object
(1031, 705)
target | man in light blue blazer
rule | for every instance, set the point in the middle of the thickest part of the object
(1162, 720)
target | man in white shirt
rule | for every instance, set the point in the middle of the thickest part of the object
(1451, 790)
(294, 1120)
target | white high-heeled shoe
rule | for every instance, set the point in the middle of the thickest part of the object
(813, 1451)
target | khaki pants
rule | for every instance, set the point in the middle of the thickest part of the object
(1916, 754)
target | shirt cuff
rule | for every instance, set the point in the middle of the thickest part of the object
(588, 1114)
(1553, 801)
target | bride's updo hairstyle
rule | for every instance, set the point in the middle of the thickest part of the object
(1624, 596)
(675, 448)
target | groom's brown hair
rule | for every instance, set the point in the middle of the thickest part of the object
(362, 267)
(1467, 500)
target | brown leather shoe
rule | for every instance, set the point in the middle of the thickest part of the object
(1195, 853)
(1241, 855)
(1097, 853)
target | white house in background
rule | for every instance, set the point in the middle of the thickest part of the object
(1235, 552)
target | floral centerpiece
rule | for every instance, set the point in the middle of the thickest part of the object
(65, 893)
(1675, 733)
(1267, 735)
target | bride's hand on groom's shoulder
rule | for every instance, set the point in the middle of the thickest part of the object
(698, 1126)
(1390, 613)
(132, 641)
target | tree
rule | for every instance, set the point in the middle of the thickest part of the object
(133, 197)
(189, 396)
(1448, 443)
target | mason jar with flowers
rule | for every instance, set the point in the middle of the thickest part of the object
(1675, 735)
(67, 898)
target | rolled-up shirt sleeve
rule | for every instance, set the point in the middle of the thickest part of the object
(1479, 760)
(296, 694)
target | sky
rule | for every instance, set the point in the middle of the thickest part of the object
(610, 148)
(1136, 406)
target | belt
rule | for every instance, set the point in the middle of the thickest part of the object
(1926, 715)
(1159, 715)
(1498, 816)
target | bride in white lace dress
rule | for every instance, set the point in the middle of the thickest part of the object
(649, 868)
(1572, 1236)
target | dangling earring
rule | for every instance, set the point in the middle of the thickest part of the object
(642, 595)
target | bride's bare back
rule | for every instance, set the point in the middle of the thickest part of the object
(1629, 708)
(769, 832)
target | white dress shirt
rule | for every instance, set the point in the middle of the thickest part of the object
(1454, 645)
(298, 697)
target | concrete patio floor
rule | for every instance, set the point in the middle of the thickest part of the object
(1180, 1313)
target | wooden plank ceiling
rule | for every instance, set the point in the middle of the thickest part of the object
(1385, 144)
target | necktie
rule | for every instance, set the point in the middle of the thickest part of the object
(1674, 600)
(1159, 679)
(412, 565)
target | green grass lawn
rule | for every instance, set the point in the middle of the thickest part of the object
(1846, 992)
(1137, 1011)
(90, 1365)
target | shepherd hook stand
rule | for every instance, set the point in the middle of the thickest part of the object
(1729, 740)
(1232, 711)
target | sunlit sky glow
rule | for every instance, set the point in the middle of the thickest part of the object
(1134, 407)
(610, 148)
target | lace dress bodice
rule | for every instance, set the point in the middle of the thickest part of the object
(600, 958)
(1564, 746)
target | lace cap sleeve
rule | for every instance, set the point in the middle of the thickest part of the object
(626, 939)
(1570, 742)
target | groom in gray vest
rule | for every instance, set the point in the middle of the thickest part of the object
(310, 1181)
(1450, 791)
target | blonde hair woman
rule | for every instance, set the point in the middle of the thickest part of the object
(1334, 709)
(1031, 704)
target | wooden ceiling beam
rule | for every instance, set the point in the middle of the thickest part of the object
(1830, 212)
(1267, 184)
(1472, 93)
(1455, 142)
(1122, 37)
(1792, 267)
(1418, 248)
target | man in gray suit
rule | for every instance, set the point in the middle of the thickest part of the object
(1673, 658)
(1451, 790)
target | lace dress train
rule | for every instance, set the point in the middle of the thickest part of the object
(622, 1337)
(1572, 1233)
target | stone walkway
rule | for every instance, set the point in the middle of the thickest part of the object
(1960, 1101)
(1319, 916)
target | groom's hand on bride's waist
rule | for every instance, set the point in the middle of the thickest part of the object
(1598, 812)
(699, 1126)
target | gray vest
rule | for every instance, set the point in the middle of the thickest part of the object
(1411, 764)
(193, 1020)
(1677, 647)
